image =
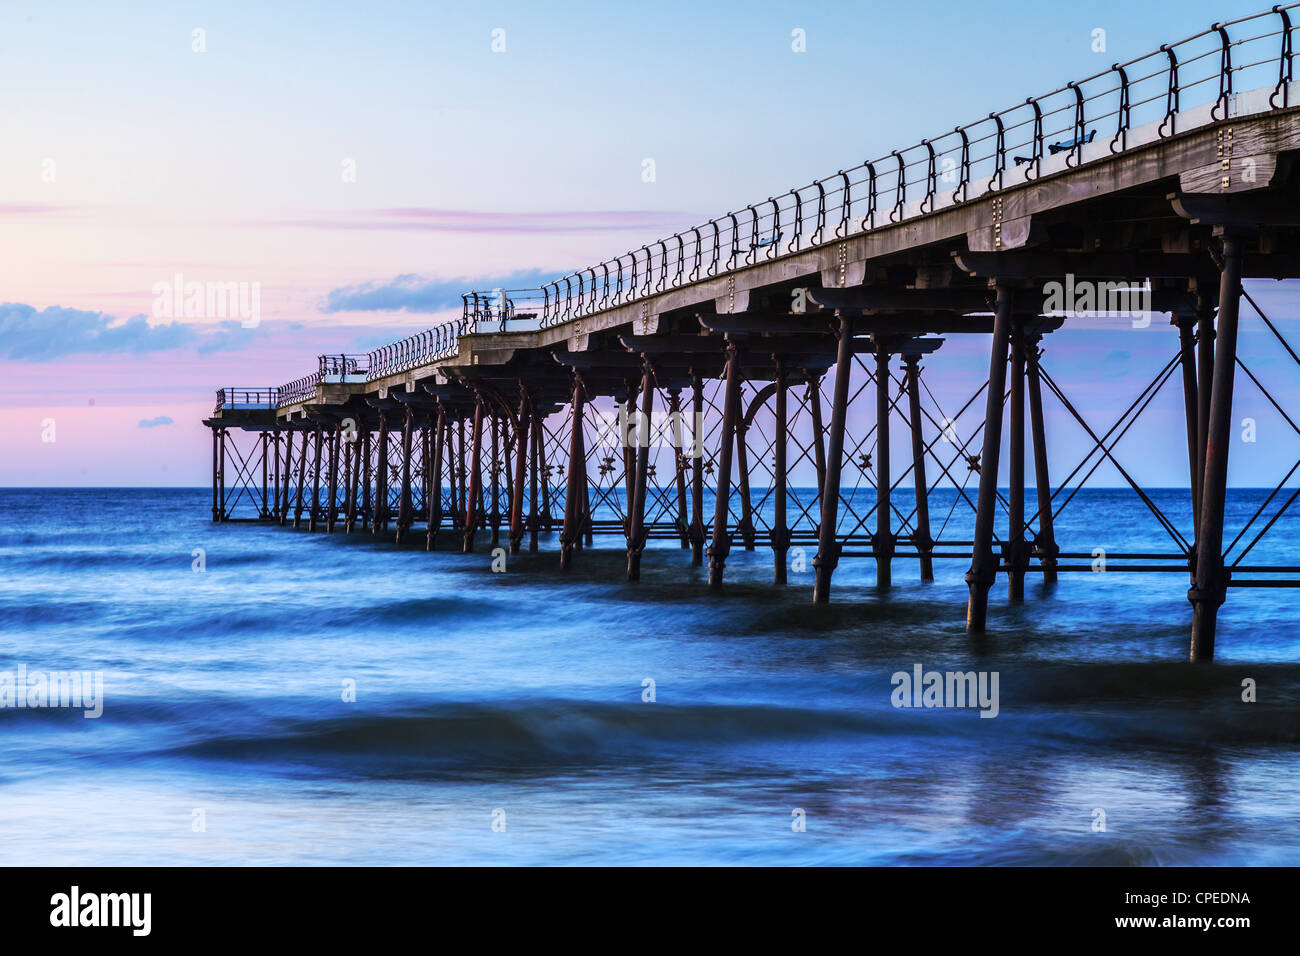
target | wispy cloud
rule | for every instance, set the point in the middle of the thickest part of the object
(155, 422)
(28, 334)
(31, 334)
(33, 209)
(461, 220)
(412, 293)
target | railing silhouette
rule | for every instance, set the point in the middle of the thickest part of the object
(500, 307)
(339, 367)
(246, 398)
(439, 342)
(298, 390)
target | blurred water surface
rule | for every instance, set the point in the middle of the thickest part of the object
(522, 693)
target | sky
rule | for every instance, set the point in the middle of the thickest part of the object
(360, 164)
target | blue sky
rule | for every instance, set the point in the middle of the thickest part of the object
(470, 165)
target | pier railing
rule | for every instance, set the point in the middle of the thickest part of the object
(1127, 105)
(246, 398)
(499, 308)
(1143, 100)
(439, 342)
(1124, 106)
(344, 368)
(298, 390)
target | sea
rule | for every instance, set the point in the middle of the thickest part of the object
(275, 696)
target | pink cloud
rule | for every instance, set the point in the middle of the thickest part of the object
(476, 221)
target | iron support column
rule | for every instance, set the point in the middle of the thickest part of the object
(828, 549)
(1205, 377)
(984, 565)
(216, 511)
(434, 522)
(331, 511)
(780, 517)
(629, 452)
(221, 478)
(883, 540)
(697, 472)
(302, 480)
(287, 479)
(575, 480)
(496, 483)
(475, 478)
(265, 512)
(314, 522)
(351, 469)
(544, 469)
(460, 472)
(380, 520)
(534, 466)
(367, 513)
(679, 461)
(921, 538)
(636, 533)
(1191, 402)
(1045, 540)
(819, 432)
(588, 535)
(721, 545)
(746, 525)
(1017, 552)
(1207, 594)
(521, 477)
(274, 513)
(404, 497)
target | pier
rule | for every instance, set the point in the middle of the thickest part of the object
(724, 357)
